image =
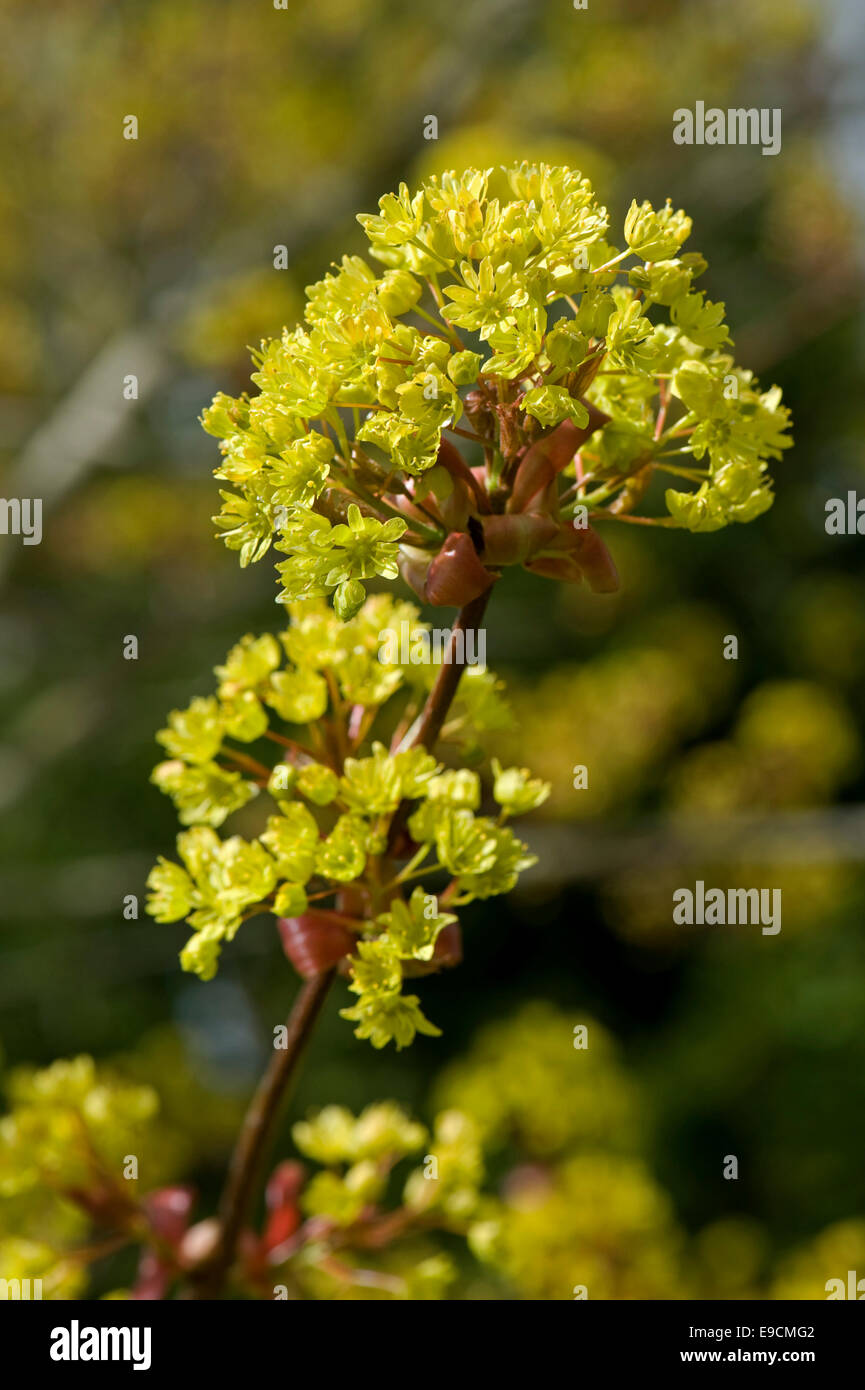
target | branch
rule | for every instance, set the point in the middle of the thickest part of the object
(209, 1277)
(429, 725)
(255, 1132)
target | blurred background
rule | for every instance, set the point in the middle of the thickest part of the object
(154, 257)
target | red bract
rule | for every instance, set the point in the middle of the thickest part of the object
(283, 1190)
(518, 523)
(450, 458)
(152, 1279)
(456, 575)
(448, 951)
(544, 460)
(316, 941)
(595, 560)
(168, 1211)
(512, 540)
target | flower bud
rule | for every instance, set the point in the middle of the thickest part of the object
(398, 292)
(463, 368)
(348, 599)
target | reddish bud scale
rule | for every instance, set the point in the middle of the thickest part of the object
(456, 575)
(280, 1227)
(409, 509)
(584, 556)
(168, 1211)
(451, 459)
(595, 560)
(281, 1194)
(152, 1279)
(561, 567)
(545, 460)
(511, 540)
(414, 571)
(284, 1183)
(448, 951)
(456, 509)
(316, 941)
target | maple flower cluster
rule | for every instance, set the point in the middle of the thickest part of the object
(345, 1229)
(508, 379)
(330, 859)
(575, 371)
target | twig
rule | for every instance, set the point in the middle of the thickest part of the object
(256, 1131)
(208, 1279)
(439, 700)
